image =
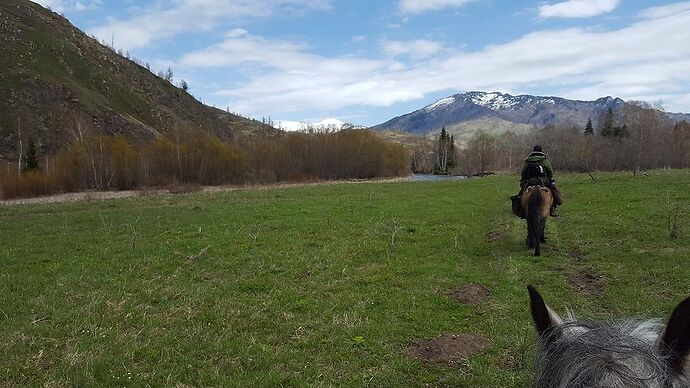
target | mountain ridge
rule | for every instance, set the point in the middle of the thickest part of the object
(54, 77)
(463, 113)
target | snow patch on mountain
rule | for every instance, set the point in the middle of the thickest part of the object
(329, 124)
(499, 101)
(495, 101)
(440, 103)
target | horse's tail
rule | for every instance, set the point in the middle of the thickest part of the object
(534, 220)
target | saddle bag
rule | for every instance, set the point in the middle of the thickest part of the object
(517, 206)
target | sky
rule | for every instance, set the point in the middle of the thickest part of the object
(367, 61)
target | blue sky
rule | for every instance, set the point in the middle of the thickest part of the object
(366, 61)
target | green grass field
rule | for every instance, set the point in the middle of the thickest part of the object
(321, 285)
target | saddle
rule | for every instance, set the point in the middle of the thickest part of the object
(537, 181)
(540, 183)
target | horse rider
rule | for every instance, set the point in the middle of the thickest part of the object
(537, 170)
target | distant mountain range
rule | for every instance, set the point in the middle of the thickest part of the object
(465, 114)
(52, 75)
(330, 124)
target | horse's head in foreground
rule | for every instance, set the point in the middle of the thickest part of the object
(631, 353)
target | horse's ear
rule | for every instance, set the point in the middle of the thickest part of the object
(675, 342)
(546, 321)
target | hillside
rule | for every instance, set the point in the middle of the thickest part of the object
(54, 77)
(464, 114)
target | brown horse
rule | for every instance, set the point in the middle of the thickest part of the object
(536, 202)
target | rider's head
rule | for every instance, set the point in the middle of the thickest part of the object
(537, 148)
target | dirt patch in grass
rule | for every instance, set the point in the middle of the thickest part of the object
(448, 349)
(576, 254)
(469, 294)
(212, 276)
(499, 231)
(586, 282)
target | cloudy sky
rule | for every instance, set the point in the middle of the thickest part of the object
(366, 61)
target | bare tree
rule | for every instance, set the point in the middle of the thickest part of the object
(168, 76)
(483, 147)
(20, 147)
(184, 86)
(643, 120)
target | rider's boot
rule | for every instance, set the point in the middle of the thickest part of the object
(553, 211)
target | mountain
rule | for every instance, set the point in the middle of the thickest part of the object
(465, 114)
(54, 77)
(330, 124)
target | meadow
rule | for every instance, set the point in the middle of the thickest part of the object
(322, 285)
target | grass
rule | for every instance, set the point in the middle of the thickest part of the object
(319, 286)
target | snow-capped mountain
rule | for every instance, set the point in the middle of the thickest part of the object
(495, 112)
(330, 124)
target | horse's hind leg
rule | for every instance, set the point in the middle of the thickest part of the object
(543, 234)
(538, 238)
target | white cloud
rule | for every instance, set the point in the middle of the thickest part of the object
(417, 49)
(666, 10)
(649, 57)
(578, 8)
(69, 5)
(172, 17)
(241, 48)
(409, 7)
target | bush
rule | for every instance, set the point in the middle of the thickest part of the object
(28, 184)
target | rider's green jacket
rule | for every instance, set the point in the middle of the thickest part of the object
(539, 157)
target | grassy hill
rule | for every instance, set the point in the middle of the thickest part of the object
(463, 132)
(411, 141)
(54, 77)
(322, 285)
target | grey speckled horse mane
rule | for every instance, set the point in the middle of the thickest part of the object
(631, 353)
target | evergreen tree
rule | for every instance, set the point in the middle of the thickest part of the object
(445, 153)
(620, 131)
(441, 152)
(589, 129)
(32, 162)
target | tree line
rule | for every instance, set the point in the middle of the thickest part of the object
(192, 156)
(639, 137)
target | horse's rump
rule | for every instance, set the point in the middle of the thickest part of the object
(545, 192)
